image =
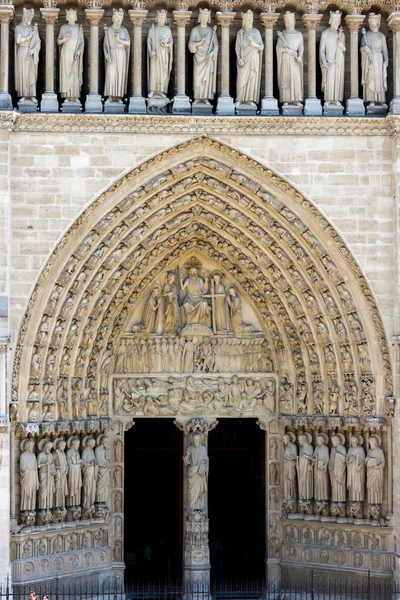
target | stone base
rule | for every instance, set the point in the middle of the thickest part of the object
(225, 106)
(333, 110)
(245, 110)
(201, 108)
(93, 103)
(5, 101)
(28, 105)
(71, 106)
(196, 329)
(291, 110)
(355, 107)
(49, 102)
(181, 105)
(114, 108)
(394, 108)
(378, 110)
(269, 107)
(158, 104)
(137, 105)
(313, 107)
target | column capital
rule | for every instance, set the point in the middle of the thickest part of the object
(181, 17)
(225, 18)
(6, 13)
(94, 15)
(311, 20)
(50, 15)
(394, 21)
(354, 22)
(269, 19)
(137, 16)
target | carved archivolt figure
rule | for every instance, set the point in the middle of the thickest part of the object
(249, 49)
(71, 43)
(104, 469)
(331, 56)
(116, 52)
(321, 461)
(27, 48)
(355, 470)
(289, 466)
(374, 62)
(305, 467)
(196, 461)
(61, 473)
(160, 55)
(89, 472)
(47, 472)
(74, 472)
(289, 51)
(195, 307)
(203, 44)
(29, 476)
(337, 468)
(375, 463)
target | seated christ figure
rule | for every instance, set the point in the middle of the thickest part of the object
(195, 306)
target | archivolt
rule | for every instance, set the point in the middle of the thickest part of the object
(316, 309)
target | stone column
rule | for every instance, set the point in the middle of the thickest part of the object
(49, 101)
(269, 104)
(181, 103)
(225, 105)
(394, 24)
(137, 104)
(6, 16)
(93, 99)
(354, 105)
(312, 105)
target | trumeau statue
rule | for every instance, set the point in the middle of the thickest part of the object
(355, 469)
(160, 56)
(203, 44)
(29, 476)
(337, 468)
(331, 56)
(289, 466)
(47, 472)
(74, 472)
(305, 467)
(289, 51)
(375, 463)
(196, 461)
(374, 62)
(89, 472)
(61, 473)
(71, 43)
(104, 469)
(249, 48)
(321, 461)
(27, 48)
(116, 52)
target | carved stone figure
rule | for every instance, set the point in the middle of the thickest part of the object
(321, 461)
(116, 52)
(196, 461)
(171, 308)
(29, 476)
(71, 43)
(195, 307)
(305, 467)
(160, 56)
(374, 62)
(289, 50)
(103, 469)
(89, 468)
(375, 463)
(337, 468)
(203, 44)
(289, 466)
(151, 311)
(249, 48)
(235, 312)
(61, 474)
(74, 472)
(331, 56)
(355, 470)
(27, 48)
(219, 307)
(47, 472)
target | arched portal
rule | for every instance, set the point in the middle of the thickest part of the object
(202, 285)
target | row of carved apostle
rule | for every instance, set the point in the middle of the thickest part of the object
(203, 44)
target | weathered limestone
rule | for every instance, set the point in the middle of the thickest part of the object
(269, 104)
(374, 65)
(137, 103)
(394, 25)
(332, 61)
(27, 49)
(181, 104)
(312, 106)
(225, 104)
(289, 50)
(49, 101)
(93, 102)
(116, 52)
(354, 105)
(203, 44)
(71, 43)
(159, 61)
(6, 17)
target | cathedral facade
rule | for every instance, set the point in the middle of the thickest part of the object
(200, 217)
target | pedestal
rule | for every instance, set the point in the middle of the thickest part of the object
(157, 104)
(49, 102)
(313, 107)
(5, 101)
(93, 103)
(225, 106)
(394, 108)
(71, 106)
(378, 110)
(201, 108)
(114, 108)
(181, 105)
(355, 107)
(137, 105)
(269, 107)
(333, 110)
(292, 111)
(28, 105)
(246, 110)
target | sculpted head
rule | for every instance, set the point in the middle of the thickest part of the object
(196, 440)
(285, 439)
(105, 441)
(47, 447)
(29, 445)
(61, 445)
(335, 441)
(161, 20)
(204, 20)
(334, 19)
(373, 442)
(117, 17)
(170, 275)
(354, 441)
(27, 16)
(320, 440)
(374, 21)
(289, 19)
(90, 443)
(193, 272)
(71, 16)
(75, 444)
(247, 20)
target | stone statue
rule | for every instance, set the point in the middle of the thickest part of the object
(160, 56)
(249, 48)
(27, 48)
(195, 307)
(235, 312)
(61, 474)
(289, 51)
(331, 57)
(47, 472)
(305, 467)
(196, 461)
(374, 62)
(375, 463)
(203, 44)
(321, 462)
(29, 476)
(74, 472)
(116, 52)
(289, 466)
(151, 311)
(71, 43)
(89, 466)
(104, 469)
(171, 308)
(337, 468)
(355, 469)
(219, 307)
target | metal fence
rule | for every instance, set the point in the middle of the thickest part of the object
(310, 587)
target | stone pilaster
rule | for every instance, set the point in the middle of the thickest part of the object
(394, 24)
(354, 105)
(93, 99)
(269, 104)
(137, 104)
(49, 101)
(225, 104)
(4, 467)
(181, 103)
(6, 16)
(312, 105)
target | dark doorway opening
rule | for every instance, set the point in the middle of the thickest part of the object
(237, 499)
(153, 500)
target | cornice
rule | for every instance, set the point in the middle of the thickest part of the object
(194, 125)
